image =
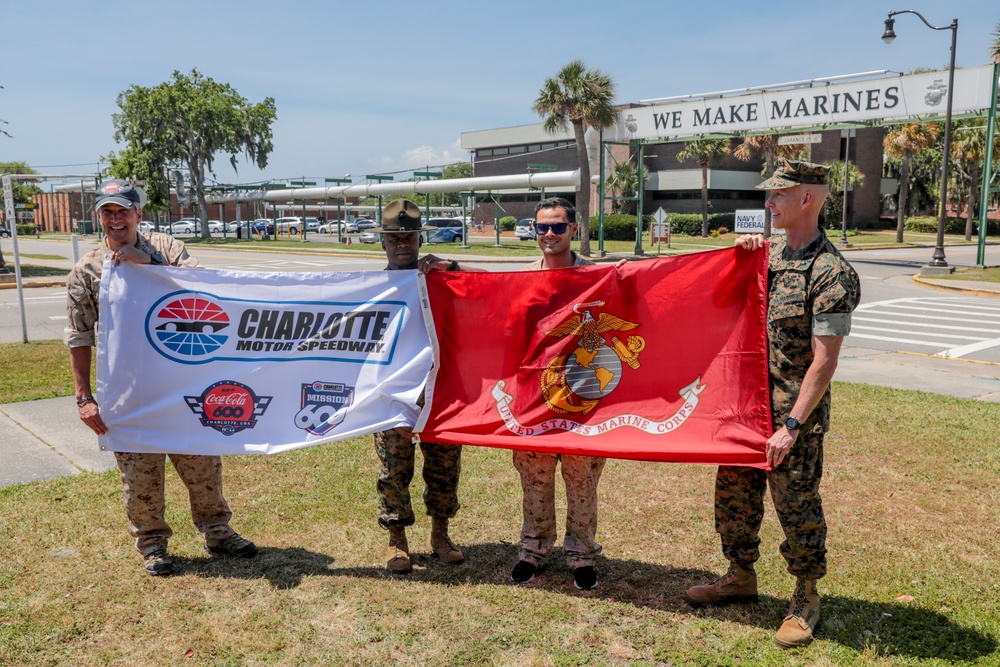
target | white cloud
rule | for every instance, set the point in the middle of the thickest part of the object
(424, 156)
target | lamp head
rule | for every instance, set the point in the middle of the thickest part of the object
(889, 34)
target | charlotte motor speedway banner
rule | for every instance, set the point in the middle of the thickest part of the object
(199, 361)
(662, 360)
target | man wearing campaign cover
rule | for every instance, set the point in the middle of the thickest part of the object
(119, 208)
(401, 240)
(812, 293)
(555, 226)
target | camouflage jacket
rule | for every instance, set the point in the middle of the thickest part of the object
(811, 292)
(83, 285)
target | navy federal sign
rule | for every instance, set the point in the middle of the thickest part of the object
(197, 327)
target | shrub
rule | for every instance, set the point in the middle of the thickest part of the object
(32, 228)
(618, 226)
(952, 225)
(508, 223)
(690, 223)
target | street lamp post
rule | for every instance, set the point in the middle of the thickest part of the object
(937, 265)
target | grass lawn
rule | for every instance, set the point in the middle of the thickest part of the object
(911, 488)
(988, 274)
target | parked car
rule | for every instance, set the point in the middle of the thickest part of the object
(290, 225)
(443, 230)
(145, 227)
(263, 226)
(4, 232)
(368, 236)
(185, 226)
(525, 229)
(365, 223)
(214, 227)
(312, 224)
(331, 228)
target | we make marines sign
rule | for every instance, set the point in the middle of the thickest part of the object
(894, 98)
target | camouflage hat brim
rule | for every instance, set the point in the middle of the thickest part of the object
(383, 230)
(777, 183)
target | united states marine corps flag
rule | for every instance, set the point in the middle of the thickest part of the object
(662, 360)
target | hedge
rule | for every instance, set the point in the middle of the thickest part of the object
(508, 223)
(618, 226)
(28, 229)
(690, 223)
(952, 225)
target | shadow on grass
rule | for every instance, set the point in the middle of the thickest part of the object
(886, 629)
(284, 568)
(36, 271)
(906, 631)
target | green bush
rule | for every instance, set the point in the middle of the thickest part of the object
(952, 225)
(26, 229)
(507, 223)
(690, 223)
(618, 226)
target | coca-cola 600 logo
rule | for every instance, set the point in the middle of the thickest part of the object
(228, 406)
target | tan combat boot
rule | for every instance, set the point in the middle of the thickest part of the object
(739, 584)
(442, 545)
(398, 555)
(803, 616)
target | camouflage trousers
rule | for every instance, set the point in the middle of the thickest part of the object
(442, 467)
(538, 485)
(739, 508)
(143, 482)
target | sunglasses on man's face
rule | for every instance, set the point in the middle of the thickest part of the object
(556, 227)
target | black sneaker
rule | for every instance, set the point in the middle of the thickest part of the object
(523, 572)
(234, 545)
(158, 564)
(585, 578)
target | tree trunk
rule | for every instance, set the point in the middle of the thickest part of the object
(704, 199)
(583, 194)
(904, 186)
(970, 206)
(197, 169)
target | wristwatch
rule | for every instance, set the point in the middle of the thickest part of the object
(85, 399)
(793, 424)
(156, 257)
(453, 266)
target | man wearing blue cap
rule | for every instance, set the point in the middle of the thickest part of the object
(119, 209)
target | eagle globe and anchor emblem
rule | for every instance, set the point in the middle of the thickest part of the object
(576, 382)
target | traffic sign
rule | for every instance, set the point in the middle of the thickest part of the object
(793, 139)
(660, 215)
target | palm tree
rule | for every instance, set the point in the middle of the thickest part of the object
(624, 182)
(705, 152)
(766, 146)
(968, 152)
(995, 46)
(833, 207)
(903, 143)
(581, 97)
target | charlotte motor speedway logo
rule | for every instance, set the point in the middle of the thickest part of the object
(196, 328)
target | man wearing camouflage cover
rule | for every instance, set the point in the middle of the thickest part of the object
(812, 292)
(119, 208)
(401, 240)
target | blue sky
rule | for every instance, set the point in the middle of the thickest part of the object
(377, 87)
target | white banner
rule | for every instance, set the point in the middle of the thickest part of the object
(915, 96)
(199, 361)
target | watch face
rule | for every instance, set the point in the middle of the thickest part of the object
(792, 424)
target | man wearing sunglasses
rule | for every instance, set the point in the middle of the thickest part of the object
(555, 225)
(401, 240)
(119, 209)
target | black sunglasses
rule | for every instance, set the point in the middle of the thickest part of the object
(556, 227)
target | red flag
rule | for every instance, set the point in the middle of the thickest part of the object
(663, 360)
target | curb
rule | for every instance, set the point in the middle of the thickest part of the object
(955, 288)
